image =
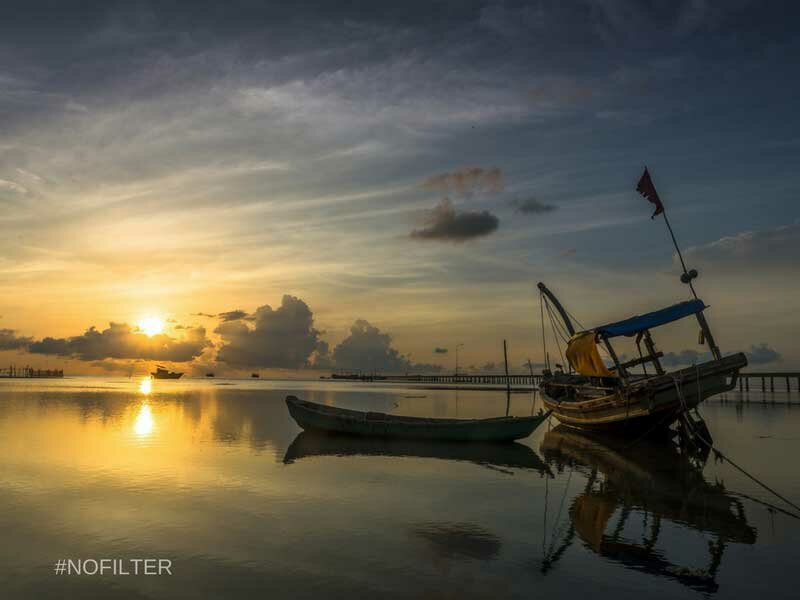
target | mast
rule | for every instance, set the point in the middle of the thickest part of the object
(564, 316)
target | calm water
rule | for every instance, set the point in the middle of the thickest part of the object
(214, 476)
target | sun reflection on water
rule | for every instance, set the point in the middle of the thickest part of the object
(143, 426)
(146, 385)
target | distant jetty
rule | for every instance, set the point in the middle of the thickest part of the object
(14, 372)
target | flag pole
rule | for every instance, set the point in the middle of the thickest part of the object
(647, 189)
(680, 256)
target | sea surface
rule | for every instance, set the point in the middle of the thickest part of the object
(214, 476)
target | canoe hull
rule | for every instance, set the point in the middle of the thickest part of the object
(321, 418)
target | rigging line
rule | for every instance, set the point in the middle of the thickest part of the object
(553, 325)
(544, 336)
(561, 327)
(563, 334)
(721, 455)
(560, 509)
(574, 318)
(544, 527)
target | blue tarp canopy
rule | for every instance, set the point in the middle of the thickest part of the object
(652, 319)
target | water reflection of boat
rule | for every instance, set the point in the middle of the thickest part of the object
(658, 482)
(162, 373)
(510, 456)
(321, 417)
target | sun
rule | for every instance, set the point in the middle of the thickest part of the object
(151, 325)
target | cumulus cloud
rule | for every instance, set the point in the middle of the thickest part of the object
(440, 350)
(121, 341)
(762, 354)
(444, 223)
(531, 206)
(232, 315)
(764, 249)
(684, 357)
(10, 341)
(370, 350)
(283, 338)
(367, 349)
(466, 181)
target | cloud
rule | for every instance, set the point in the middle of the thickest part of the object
(757, 355)
(466, 181)
(369, 350)
(440, 350)
(771, 248)
(232, 315)
(283, 338)
(202, 314)
(12, 186)
(121, 341)
(445, 223)
(762, 354)
(684, 357)
(10, 341)
(531, 206)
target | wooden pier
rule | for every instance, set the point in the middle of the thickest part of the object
(763, 382)
(500, 380)
(14, 372)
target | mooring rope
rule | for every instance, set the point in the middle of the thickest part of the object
(718, 453)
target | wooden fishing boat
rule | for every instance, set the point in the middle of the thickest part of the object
(586, 394)
(503, 456)
(162, 373)
(319, 417)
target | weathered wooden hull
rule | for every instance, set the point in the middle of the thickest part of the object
(649, 406)
(318, 417)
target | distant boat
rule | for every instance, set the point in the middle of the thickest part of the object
(210, 375)
(255, 375)
(162, 373)
(594, 397)
(319, 417)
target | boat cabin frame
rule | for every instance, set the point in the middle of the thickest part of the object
(639, 327)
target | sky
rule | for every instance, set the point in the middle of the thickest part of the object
(295, 187)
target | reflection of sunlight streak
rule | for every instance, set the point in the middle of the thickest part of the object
(144, 421)
(146, 385)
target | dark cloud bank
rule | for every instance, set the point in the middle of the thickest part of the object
(121, 341)
(445, 223)
(531, 206)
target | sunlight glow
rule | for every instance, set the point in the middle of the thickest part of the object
(146, 385)
(151, 325)
(143, 426)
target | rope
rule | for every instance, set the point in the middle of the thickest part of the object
(559, 526)
(719, 454)
(555, 333)
(544, 335)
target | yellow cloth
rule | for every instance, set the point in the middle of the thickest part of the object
(583, 356)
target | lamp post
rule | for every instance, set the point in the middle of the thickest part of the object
(457, 347)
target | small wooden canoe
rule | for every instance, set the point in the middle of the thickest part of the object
(319, 417)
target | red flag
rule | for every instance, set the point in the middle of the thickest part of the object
(646, 188)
